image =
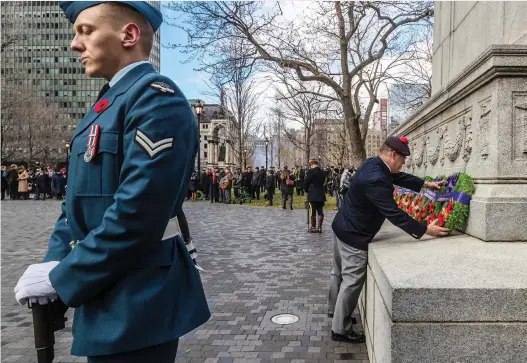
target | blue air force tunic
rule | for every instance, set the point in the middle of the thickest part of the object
(132, 285)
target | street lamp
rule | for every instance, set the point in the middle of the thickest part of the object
(245, 158)
(199, 108)
(67, 145)
(266, 145)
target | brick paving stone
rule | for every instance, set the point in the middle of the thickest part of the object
(257, 260)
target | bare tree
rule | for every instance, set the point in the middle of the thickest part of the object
(234, 84)
(413, 86)
(299, 103)
(31, 130)
(332, 45)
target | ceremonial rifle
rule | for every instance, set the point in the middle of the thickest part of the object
(47, 319)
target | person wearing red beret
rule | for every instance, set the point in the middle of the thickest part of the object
(367, 204)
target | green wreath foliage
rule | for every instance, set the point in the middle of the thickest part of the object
(453, 214)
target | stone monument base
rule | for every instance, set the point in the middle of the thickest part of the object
(451, 299)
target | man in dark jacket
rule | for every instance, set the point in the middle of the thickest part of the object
(255, 184)
(314, 187)
(367, 204)
(270, 186)
(12, 181)
(263, 173)
(247, 178)
(206, 180)
(5, 184)
(301, 175)
(42, 185)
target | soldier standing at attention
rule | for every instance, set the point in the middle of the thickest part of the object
(116, 254)
(367, 204)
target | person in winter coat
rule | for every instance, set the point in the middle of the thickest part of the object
(5, 184)
(193, 186)
(42, 185)
(287, 187)
(23, 187)
(12, 180)
(263, 173)
(58, 182)
(206, 179)
(270, 187)
(237, 183)
(214, 186)
(314, 187)
(255, 183)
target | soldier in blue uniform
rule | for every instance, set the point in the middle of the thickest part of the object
(116, 254)
(368, 203)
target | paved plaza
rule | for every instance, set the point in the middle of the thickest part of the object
(259, 262)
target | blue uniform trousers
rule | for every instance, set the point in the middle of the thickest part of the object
(161, 353)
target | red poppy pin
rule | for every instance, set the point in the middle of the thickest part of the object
(101, 106)
(404, 139)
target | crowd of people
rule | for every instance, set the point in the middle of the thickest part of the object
(221, 185)
(38, 184)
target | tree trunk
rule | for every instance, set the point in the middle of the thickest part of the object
(357, 152)
(307, 143)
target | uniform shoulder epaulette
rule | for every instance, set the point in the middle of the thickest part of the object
(162, 87)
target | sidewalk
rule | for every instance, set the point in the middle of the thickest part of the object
(259, 262)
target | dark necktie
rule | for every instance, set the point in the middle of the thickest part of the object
(103, 90)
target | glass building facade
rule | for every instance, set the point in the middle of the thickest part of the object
(39, 59)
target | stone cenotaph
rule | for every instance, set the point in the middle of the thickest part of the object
(462, 298)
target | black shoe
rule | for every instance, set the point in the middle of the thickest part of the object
(353, 338)
(353, 320)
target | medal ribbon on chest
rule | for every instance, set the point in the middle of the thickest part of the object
(93, 141)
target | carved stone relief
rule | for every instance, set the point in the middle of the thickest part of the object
(433, 153)
(483, 131)
(420, 152)
(424, 151)
(467, 150)
(520, 125)
(452, 150)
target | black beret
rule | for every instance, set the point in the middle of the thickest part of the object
(399, 144)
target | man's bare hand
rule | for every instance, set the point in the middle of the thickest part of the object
(434, 230)
(433, 185)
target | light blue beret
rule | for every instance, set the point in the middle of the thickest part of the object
(72, 9)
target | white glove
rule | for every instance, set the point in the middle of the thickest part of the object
(34, 284)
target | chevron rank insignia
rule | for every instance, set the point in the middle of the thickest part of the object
(162, 87)
(152, 148)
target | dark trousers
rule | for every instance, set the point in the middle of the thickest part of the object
(59, 196)
(285, 198)
(300, 190)
(270, 192)
(161, 353)
(206, 190)
(256, 192)
(214, 193)
(262, 188)
(3, 194)
(13, 191)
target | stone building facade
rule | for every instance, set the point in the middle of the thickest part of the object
(40, 64)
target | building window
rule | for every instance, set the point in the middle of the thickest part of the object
(205, 146)
(204, 154)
